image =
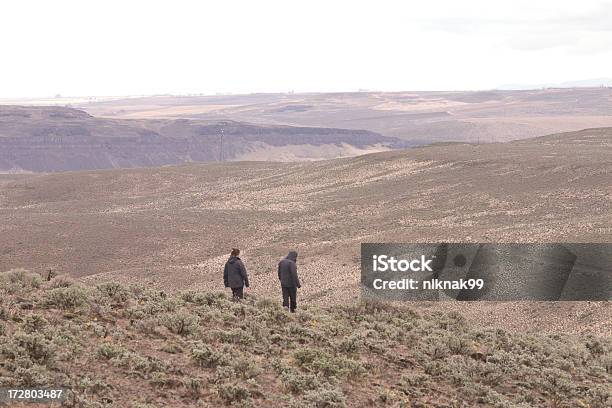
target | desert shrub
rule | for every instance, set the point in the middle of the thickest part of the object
(147, 308)
(19, 281)
(223, 373)
(86, 385)
(267, 303)
(34, 346)
(599, 396)
(350, 344)
(555, 383)
(245, 367)
(300, 334)
(597, 347)
(274, 315)
(234, 336)
(34, 323)
(316, 360)
(61, 281)
(298, 383)
(233, 392)
(163, 380)
(415, 379)
(148, 325)
(325, 397)
(109, 351)
(204, 356)
(181, 323)
(115, 292)
(32, 376)
(171, 348)
(66, 298)
(204, 298)
(2, 329)
(213, 316)
(193, 387)
(138, 364)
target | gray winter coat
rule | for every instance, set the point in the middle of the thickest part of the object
(235, 274)
(287, 271)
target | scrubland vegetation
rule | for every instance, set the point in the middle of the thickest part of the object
(113, 345)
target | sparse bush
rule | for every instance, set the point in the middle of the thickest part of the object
(109, 351)
(326, 397)
(233, 392)
(319, 361)
(164, 381)
(32, 376)
(71, 297)
(116, 293)
(19, 281)
(180, 323)
(245, 367)
(193, 387)
(34, 346)
(61, 281)
(223, 373)
(204, 298)
(34, 323)
(298, 383)
(148, 325)
(350, 344)
(204, 356)
(235, 336)
(172, 348)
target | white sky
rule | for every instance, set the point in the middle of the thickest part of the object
(127, 47)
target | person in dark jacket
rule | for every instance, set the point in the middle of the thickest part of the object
(287, 274)
(235, 275)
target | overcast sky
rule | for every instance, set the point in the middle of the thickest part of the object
(127, 47)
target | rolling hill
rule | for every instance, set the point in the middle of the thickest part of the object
(172, 227)
(418, 117)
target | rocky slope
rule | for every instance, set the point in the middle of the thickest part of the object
(47, 139)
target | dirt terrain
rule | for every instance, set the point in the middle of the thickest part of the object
(172, 227)
(418, 117)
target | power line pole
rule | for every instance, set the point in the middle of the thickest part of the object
(221, 147)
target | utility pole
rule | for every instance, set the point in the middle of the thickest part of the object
(221, 147)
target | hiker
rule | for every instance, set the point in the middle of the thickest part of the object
(287, 274)
(235, 275)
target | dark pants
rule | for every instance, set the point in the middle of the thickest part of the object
(290, 298)
(238, 293)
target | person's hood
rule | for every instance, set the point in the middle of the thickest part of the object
(233, 259)
(292, 256)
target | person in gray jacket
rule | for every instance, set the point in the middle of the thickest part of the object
(287, 274)
(235, 275)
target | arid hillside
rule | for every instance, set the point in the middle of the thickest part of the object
(172, 227)
(417, 117)
(48, 139)
(138, 347)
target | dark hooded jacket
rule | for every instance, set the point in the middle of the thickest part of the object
(235, 274)
(287, 271)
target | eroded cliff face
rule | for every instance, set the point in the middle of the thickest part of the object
(48, 139)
